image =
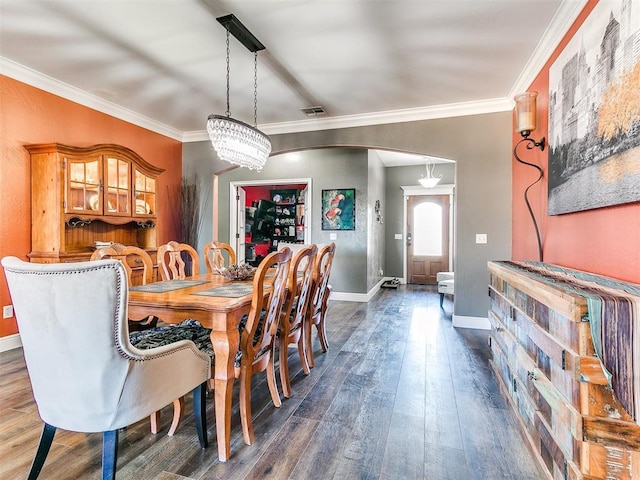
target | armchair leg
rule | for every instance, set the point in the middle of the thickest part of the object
(109, 454)
(200, 413)
(154, 419)
(441, 300)
(46, 439)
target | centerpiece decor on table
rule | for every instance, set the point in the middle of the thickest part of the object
(238, 272)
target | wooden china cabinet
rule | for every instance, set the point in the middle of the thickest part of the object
(80, 195)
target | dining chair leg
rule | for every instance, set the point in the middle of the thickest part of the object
(48, 431)
(245, 405)
(302, 353)
(271, 381)
(322, 335)
(284, 368)
(178, 412)
(109, 454)
(309, 344)
(200, 413)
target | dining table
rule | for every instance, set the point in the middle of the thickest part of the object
(217, 303)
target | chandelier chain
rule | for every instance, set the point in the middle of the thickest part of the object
(255, 89)
(228, 112)
(234, 141)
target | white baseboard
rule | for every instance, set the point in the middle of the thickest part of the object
(358, 297)
(480, 323)
(10, 342)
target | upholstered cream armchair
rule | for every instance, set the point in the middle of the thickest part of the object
(85, 375)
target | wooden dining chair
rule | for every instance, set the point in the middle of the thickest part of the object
(171, 260)
(294, 312)
(258, 334)
(320, 298)
(258, 330)
(214, 256)
(132, 255)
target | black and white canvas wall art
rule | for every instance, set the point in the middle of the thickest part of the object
(594, 112)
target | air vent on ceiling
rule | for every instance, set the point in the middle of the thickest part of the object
(313, 111)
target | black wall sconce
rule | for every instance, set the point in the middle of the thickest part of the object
(525, 124)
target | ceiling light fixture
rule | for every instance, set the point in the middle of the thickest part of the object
(429, 181)
(525, 124)
(235, 141)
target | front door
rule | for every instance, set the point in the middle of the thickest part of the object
(427, 237)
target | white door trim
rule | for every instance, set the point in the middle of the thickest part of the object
(233, 211)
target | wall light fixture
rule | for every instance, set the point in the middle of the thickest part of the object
(525, 124)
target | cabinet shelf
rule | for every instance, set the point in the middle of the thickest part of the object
(288, 216)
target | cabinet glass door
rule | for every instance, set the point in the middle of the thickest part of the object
(117, 197)
(145, 194)
(83, 186)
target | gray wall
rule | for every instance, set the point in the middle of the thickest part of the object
(328, 169)
(199, 160)
(375, 237)
(481, 147)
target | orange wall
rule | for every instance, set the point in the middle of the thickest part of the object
(30, 115)
(604, 241)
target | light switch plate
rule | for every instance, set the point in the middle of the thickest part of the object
(333, 236)
(7, 311)
(481, 238)
(398, 236)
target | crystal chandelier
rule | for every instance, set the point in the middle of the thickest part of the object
(429, 181)
(235, 141)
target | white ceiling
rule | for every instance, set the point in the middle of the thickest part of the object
(161, 63)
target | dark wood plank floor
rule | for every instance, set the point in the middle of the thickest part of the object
(400, 394)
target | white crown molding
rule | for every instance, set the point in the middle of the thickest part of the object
(377, 118)
(559, 26)
(49, 84)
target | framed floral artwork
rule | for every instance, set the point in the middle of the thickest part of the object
(338, 209)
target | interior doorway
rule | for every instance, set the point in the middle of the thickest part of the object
(260, 215)
(428, 233)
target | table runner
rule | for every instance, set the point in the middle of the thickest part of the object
(232, 290)
(614, 317)
(167, 286)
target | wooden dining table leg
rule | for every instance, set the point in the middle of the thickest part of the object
(225, 346)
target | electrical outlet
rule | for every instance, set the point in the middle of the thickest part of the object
(7, 311)
(381, 272)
